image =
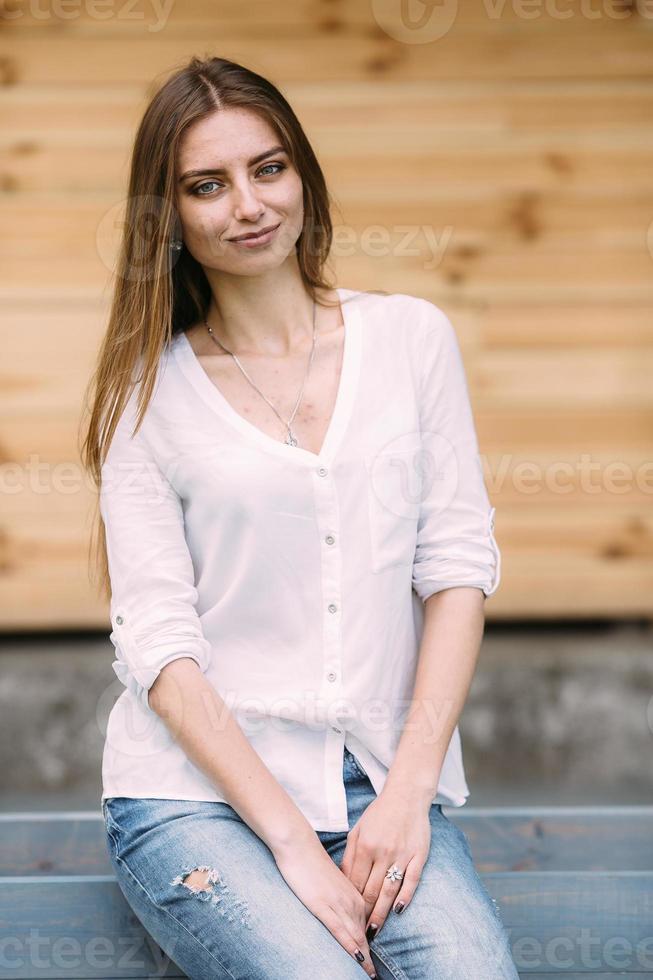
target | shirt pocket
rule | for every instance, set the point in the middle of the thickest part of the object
(394, 493)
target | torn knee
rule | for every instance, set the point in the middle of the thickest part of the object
(207, 884)
(200, 879)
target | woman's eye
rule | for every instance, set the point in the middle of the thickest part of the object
(279, 167)
(196, 190)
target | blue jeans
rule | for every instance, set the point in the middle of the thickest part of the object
(246, 923)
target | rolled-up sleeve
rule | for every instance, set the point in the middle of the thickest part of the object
(153, 595)
(455, 545)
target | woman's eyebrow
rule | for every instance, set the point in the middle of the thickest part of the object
(220, 170)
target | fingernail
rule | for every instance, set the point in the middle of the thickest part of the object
(359, 956)
(399, 907)
(371, 932)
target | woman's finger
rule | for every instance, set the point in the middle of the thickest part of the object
(356, 866)
(386, 892)
(351, 937)
(409, 884)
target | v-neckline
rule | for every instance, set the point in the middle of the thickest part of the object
(349, 368)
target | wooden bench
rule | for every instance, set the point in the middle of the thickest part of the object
(574, 887)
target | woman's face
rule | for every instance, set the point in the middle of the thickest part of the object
(228, 195)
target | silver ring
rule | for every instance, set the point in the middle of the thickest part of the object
(394, 874)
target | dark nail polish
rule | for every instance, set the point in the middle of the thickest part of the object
(359, 956)
(371, 932)
(399, 907)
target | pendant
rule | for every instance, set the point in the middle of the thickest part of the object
(291, 441)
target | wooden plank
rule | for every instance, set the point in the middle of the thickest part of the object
(303, 18)
(565, 276)
(538, 326)
(549, 916)
(311, 23)
(46, 574)
(487, 117)
(557, 838)
(420, 258)
(509, 287)
(534, 589)
(44, 844)
(504, 151)
(84, 926)
(581, 921)
(561, 379)
(38, 164)
(57, 283)
(531, 838)
(52, 590)
(627, 430)
(564, 218)
(531, 590)
(589, 54)
(34, 603)
(556, 381)
(79, 322)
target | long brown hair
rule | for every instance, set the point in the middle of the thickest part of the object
(156, 296)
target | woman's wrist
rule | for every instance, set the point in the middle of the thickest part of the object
(411, 793)
(290, 835)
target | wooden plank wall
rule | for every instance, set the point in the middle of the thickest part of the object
(515, 136)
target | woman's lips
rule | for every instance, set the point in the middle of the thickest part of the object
(259, 240)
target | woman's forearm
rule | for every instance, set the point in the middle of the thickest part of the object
(453, 629)
(209, 734)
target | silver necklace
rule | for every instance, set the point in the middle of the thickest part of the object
(291, 439)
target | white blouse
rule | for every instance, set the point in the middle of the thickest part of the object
(295, 580)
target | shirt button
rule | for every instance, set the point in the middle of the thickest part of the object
(331, 676)
(329, 539)
(332, 607)
(119, 620)
(323, 471)
(338, 730)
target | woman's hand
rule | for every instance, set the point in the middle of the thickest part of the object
(322, 887)
(389, 832)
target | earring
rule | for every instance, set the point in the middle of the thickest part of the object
(176, 244)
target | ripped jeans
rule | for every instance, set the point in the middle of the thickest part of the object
(208, 891)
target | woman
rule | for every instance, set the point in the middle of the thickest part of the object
(299, 545)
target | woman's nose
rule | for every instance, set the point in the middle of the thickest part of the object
(248, 204)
